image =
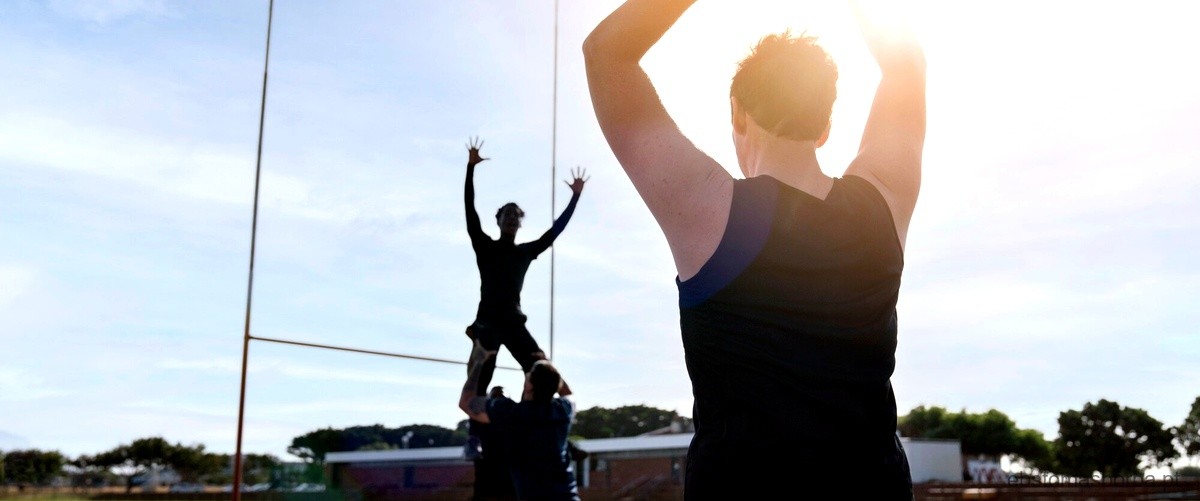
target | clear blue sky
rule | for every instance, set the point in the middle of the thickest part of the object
(1051, 261)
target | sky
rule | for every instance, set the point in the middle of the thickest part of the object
(1051, 260)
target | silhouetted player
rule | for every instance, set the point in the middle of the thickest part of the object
(534, 431)
(788, 279)
(493, 477)
(502, 266)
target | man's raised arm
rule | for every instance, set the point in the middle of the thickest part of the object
(889, 154)
(560, 223)
(688, 193)
(474, 228)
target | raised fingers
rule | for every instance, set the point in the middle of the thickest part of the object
(578, 175)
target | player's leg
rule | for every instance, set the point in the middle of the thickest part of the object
(522, 346)
(490, 340)
(490, 337)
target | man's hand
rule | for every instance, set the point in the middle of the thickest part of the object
(887, 29)
(473, 147)
(577, 185)
(564, 390)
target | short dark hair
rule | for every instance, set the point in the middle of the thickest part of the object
(787, 85)
(520, 213)
(545, 380)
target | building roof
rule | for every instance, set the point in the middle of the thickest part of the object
(643, 443)
(639, 443)
(601, 445)
(422, 454)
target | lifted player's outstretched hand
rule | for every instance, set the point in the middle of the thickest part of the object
(473, 151)
(577, 185)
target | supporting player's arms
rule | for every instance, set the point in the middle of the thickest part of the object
(688, 192)
(475, 405)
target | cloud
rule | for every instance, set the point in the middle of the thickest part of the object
(206, 172)
(216, 365)
(20, 385)
(16, 281)
(107, 11)
(9, 441)
(79, 147)
(355, 376)
(292, 370)
(365, 406)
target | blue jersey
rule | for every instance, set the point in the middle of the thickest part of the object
(536, 437)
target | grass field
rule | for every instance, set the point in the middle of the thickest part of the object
(40, 496)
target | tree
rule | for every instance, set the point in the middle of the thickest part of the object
(314, 445)
(136, 458)
(260, 468)
(923, 422)
(192, 463)
(1188, 433)
(32, 466)
(625, 421)
(357, 437)
(423, 435)
(1112, 440)
(85, 473)
(991, 433)
(1033, 451)
(256, 469)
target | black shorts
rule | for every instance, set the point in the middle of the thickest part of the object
(512, 335)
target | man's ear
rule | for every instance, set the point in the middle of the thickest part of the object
(824, 135)
(737, 116)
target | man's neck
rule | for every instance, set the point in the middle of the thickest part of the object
(793, 163)
(508, 238)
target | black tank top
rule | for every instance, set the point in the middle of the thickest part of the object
(789, 332)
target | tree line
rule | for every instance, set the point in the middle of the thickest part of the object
(596, 422)
(1103, 437)
(127, 462)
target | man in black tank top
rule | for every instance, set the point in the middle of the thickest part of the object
(788, 279)
(502, 265)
